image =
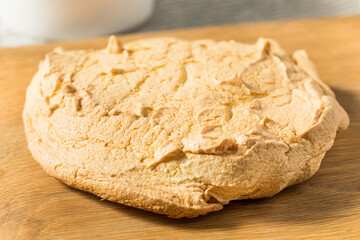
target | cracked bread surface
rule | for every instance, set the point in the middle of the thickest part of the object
(180, 127)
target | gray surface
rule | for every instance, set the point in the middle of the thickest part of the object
(171, 14)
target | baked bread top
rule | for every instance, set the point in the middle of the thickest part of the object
(180, 127)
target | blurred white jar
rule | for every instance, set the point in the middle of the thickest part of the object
(63, 19)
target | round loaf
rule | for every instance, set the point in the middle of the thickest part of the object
(180, 127)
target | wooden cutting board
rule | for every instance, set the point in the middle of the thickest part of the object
(36, 206)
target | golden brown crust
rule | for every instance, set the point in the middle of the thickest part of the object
(180, 128)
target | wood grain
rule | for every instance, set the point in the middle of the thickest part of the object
(36, 206)
(189, 13)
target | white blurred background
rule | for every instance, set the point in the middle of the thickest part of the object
(24, 22)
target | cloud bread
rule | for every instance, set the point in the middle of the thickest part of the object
(180, 127)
